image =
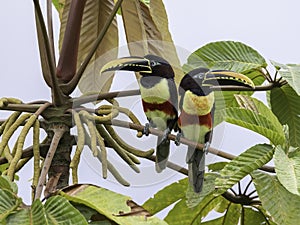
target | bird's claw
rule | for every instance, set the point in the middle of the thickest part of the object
(146, 129)
(177, 139)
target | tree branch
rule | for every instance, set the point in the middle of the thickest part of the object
(185, 141)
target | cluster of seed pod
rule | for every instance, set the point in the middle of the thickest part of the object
(94, 130)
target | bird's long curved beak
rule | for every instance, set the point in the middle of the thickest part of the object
(227, 78)
(135, 64)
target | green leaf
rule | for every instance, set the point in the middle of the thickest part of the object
(34, 215)
(59, 210)
(287, 168)
(5, 183)
(283, 206)
(108, 204)
(216, 167)
(227, 55)
(8, 203)
(291, 73)
(193, 199)
(254, 115)
(181, 214)
(216, 221)
(232, 214)
(285, 105)
(250, 160)
(165, 197)
(254, 217)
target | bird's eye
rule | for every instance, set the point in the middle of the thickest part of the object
(154, 63)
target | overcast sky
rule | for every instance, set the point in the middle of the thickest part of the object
(270, 26)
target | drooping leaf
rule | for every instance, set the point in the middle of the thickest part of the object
(227, 55)
(287, 168)
(45, 60)
(94, 17)
(159, 15)
(112, 205)
(256, 116)
(291, 73)
(250, 160)
(283, 206)
(147, 32)
(285, 105)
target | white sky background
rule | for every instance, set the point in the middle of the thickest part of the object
(271, 27)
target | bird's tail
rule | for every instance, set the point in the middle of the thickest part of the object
(162, 154)
(196, 168)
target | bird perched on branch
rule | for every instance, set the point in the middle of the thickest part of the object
(197, 114)
(159, 97)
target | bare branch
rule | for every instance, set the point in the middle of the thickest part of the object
(58, 133)
(185, 141)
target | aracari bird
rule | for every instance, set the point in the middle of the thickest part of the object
(197, 114)
(159, 97)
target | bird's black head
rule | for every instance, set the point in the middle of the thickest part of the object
(200, 80)
(193, 81)
(150, 65)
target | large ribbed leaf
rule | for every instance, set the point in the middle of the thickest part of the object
(8, 203)
(287, 168)
(181, 214)
(94, 18)
(164, 198)
(59, 210)
(248, 161)
(255, 116)
(227, 55)
(285, 105)
(146, 29)
(291, 73)
(283, 206)
(109, 204)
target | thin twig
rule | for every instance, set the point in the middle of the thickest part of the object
(70, 86)
(185, 141)
(58, 133)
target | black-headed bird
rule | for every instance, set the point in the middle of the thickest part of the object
(197, 114)
(159, 97)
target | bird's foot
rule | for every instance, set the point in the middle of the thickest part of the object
(177, 139)
(206, 147)
(146, 129)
